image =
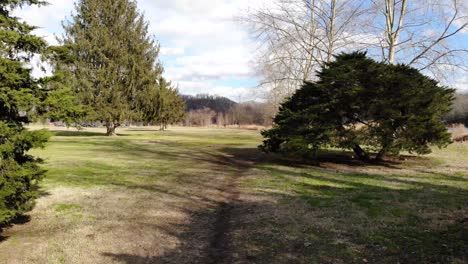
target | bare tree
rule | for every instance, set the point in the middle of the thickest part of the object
(298, 36)
(420, 33)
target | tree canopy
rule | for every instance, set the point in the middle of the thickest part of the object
(21, 97)
(363, 105)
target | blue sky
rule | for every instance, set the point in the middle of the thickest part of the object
(203, 48)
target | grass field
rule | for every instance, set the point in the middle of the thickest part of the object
(209, 196)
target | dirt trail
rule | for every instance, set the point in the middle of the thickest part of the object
(220, 245)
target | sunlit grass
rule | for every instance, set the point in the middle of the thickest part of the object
(106, 197)
(411, 212)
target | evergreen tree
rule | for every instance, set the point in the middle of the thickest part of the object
(61, 104)
(21, 97)
(163, 105)
(174, 110)
(365, 106)
(113, 60)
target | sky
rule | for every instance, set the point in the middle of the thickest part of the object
(203, 48)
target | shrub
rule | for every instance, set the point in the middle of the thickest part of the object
(363, 105)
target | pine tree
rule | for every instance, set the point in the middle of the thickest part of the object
(114, 61)
(21, 96)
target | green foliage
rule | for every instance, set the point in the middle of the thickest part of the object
(162, 105)
(363, 105)
(61, 103)
(21, 99)
(218, 104)
(111, 58)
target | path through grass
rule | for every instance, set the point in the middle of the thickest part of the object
(208, 196)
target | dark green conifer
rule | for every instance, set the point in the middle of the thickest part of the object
(21, 97)
(365, 106)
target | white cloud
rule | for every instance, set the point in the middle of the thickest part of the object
(230, 62)
(201, 41)
(172, 51)
(47, 18)
(461, 84)
(238, 94)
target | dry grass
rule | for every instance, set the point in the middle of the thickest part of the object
(143, 196)
(459, 132)
(178, 197)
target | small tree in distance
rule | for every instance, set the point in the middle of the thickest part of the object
(162, 105)
(363, 105)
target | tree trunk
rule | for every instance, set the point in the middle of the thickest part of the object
(380, 155)
(362, 155)
(393, 33)
(331, 34)
(111, 129)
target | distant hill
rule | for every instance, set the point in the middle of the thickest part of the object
(218, 104)
(207, 110)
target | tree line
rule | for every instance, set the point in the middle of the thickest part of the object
(459, 112)
(209, 110)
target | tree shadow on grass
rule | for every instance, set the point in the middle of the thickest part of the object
(418, 221)
(330, 156)
(20, 219)
(83, 133)
(255, 242)
(76, 133)
(323, 219)
(298, 232)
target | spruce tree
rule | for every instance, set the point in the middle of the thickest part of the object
(163, 105)
(113, 60)
(21, 97)
(61, 103)
(170, 104)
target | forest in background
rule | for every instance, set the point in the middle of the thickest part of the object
(210, 110)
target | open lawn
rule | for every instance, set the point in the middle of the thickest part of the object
(209, 196)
